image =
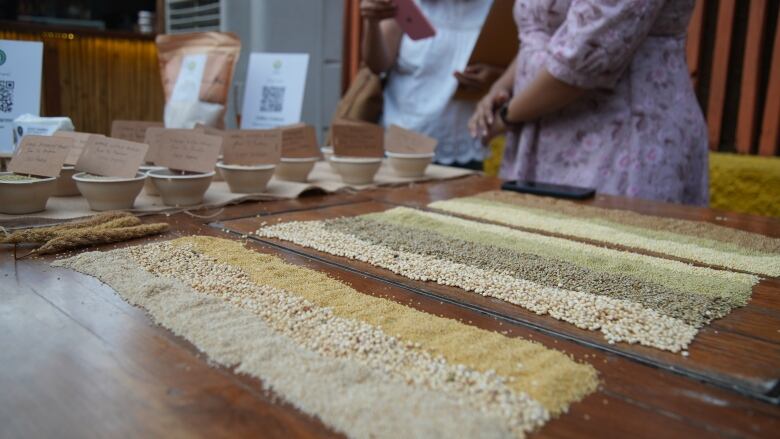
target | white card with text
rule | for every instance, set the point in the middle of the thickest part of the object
(20, 86)
(273, 95)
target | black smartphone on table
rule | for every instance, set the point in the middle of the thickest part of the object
(549, 189)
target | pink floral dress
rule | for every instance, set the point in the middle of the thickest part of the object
(639, 130)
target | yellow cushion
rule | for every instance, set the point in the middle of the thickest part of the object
(745, 183)
(740, 183)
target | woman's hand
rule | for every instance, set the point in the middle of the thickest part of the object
(479, 76)
(377, 10)
(483, 122)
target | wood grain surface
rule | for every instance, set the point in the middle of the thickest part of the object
(77, 361)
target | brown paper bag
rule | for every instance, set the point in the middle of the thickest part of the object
(197, 70)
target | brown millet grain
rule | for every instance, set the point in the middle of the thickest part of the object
(695, 309)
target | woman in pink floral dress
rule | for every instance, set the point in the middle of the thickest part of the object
(600, 96)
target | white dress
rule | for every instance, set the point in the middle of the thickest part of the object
(420, 85)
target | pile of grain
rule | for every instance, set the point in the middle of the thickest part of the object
(367, 366)
(627, 296)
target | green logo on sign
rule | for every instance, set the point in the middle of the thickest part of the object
(277, 64)
(2, 57)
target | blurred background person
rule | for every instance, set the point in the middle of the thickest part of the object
(600, 96)
(422, 76)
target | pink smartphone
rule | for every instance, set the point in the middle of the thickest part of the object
(412, 20)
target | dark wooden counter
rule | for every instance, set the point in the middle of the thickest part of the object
(77, 361)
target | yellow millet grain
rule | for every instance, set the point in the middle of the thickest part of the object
(546, 375)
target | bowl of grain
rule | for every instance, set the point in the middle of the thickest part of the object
(409, 165)
(181, 188)
(20, 194)
(109, 193)
(149, 187)
(66, 185)
(246, 179)
(356, 170)
(295, 169)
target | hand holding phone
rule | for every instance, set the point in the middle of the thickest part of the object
(412, 21)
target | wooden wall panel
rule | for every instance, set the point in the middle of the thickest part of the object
(693, 46)
(751, 72)
(351, 48)
(97, 79)
(720, 61)
(769, 143)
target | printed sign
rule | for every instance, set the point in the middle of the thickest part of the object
(357, 139)
(79, 142)
(274, 90)
(404, 141)
(42, 156)
(111, 157)
(299, 141)
(132, 130)
(187, 150)
(20, 86)
(252, 147)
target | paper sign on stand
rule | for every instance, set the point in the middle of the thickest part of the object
(357, 139)
(41, 156)
(403, 141)
(188, 150)
(20, 86)
(252, 147)
(299, 141)
(79, 142)
(111, 157)
(153, 136)
(274, 90)
(132, 130)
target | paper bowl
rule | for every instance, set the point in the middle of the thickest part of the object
(327, 152)
(246, 179)
(295, 169)
(149, 187)
(409, 165)
(179, 190)
(25, 196)
(356, 170)
(66, 185)
(110, 193)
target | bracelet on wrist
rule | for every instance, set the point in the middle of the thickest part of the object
(502, 113)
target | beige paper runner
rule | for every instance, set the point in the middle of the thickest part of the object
(218, 195)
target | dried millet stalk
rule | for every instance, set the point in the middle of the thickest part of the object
(82, 238)
(43, 234)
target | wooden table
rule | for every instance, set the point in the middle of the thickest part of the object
(77, 361)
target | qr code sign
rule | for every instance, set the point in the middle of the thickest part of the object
(272, 99)
(6, 96)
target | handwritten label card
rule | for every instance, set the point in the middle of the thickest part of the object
(188, 150)
(357, 139)
(252, 147)
(132, 130)
(111, 157)
(152, 138)
(404, 141)
(79, 142)
(41, 156)
(299, 141)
